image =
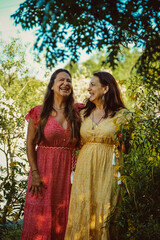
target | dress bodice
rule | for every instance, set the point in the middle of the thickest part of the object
(55, 134)
(104, 132)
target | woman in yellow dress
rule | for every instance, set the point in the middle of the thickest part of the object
(96, 186)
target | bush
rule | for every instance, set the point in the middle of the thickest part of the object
(140, 207)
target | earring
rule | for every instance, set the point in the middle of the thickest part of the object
(103, 97)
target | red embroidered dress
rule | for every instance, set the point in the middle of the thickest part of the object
(45, 217)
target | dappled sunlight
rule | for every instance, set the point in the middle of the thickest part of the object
(48, 178)
(58, 217)
(40, 221)
(107, 208)
(101, 219)
(81, 233)
(45, 179)
(59, 228)
(135, 67)
(38, 237)
(93, 222)
(81, 197)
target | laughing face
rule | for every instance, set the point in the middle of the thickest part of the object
(62, 85)
(96, 90)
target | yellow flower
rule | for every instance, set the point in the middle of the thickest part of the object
(117, 168)
(117, 128)
(150, 159)
(133, 97)
(12, 164)
(115, 121)
(138, 112)
(137, 119)
(121, 82)
(123, 179)
(15, 217)
(9, 209)
(131, 228)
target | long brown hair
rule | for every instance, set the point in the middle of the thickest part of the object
(71, 115)
(112, 99)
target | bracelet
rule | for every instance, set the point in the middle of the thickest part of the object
(35, 170)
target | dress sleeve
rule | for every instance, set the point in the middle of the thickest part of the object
(123, 116)
(34, 113)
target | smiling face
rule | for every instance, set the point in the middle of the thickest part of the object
(96, 90)
(62, 85)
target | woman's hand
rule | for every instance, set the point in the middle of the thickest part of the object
(37, 184)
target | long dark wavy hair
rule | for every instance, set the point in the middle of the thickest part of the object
(71, 115)
(112, 99)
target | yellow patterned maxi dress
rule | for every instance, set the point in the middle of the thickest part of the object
(96, 189)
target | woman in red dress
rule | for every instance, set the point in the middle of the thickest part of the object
(53, 134)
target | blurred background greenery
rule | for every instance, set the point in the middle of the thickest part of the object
(130, 52)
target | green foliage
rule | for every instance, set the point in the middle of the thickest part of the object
(92, 25)
(12, 59)
(12, 232)
(20, 92)
(13, 171)
(14, 78)
(140, 206)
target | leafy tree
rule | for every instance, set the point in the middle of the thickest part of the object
(11, 145)
(66, 27)
(15, 77)
(16, 93)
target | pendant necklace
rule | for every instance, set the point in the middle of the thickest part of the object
(96, 123)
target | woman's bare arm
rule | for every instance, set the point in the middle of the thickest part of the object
(37, 183)
(31, 152)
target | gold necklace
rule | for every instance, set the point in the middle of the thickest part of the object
(56, 108)
(96, 123)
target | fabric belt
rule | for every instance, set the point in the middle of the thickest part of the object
(95, 143)
(65, 148)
